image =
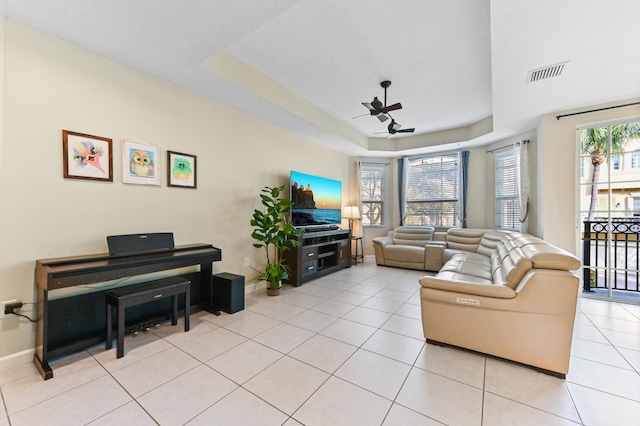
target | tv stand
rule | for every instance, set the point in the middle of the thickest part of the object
(320, 253)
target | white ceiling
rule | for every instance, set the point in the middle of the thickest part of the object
(459, 68)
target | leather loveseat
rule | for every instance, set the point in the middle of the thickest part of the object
(404, 247)
(504, 294)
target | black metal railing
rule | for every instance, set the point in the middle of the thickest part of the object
(618, 253)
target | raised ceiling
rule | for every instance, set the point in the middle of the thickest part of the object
(459, 68)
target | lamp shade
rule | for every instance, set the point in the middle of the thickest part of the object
(351, 212)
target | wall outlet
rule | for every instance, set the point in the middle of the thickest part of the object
(5, 303)
(247, 261)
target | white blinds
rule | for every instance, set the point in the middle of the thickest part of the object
(432, 191)
(507, 206)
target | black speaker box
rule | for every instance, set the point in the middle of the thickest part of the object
(227, 292)
(138, 243)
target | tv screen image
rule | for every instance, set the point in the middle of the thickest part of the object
(317, 201)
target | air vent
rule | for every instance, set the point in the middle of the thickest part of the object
(546, 72)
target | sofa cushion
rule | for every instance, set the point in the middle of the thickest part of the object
(466, 284)
(404, 253)
(413, 236)
(471, 264)
(464, 238)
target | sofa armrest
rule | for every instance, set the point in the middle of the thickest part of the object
(433, 255)
(378, 246)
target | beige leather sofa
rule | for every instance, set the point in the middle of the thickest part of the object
(404, 247)
(504, 294)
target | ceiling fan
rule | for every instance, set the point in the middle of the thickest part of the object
(376, 107)
(394, 128)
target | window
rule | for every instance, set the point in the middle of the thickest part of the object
(371, 194)
(507, 207)
(635, 160)
(616, 162)
(432, 191)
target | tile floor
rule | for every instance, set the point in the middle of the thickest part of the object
(346, 349)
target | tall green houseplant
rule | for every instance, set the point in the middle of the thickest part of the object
(273, 231)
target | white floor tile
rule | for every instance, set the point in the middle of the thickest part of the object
(324, 353)
(78, 406)
(527, 386)
(350, 353)
(456, 364)
(500, 411)
(340, 403)
(146, 375)
(376, 373)
(349, 332)
(284, 337)
(402, 416)
(442, 399)
(212, 344)
(244, 361)
(128, 414)
(181, 399)
(401, 348)
(601, 408)
(286, 384)
(240, 408)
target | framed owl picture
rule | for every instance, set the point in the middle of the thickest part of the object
(86, 157)
(140, 163)
(181, 170)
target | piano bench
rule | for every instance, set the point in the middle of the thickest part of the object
(138, 294)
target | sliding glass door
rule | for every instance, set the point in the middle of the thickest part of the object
(610, 209)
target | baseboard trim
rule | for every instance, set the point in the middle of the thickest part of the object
(252, 288)
(14, 360)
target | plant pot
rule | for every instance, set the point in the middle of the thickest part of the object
(273, 289)
(273, 292)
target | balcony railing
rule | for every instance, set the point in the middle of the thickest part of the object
(617, 253)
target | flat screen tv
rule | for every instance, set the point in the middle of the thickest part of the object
(317, 201)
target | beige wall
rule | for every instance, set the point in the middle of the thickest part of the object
(50, 85)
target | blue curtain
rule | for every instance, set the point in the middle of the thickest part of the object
(464, 177)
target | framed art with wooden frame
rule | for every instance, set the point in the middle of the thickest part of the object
(87, 157)
(140, 163)
(181, 170)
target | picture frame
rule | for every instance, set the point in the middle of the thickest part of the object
(181, 170)
(140, 163)
(87, 157)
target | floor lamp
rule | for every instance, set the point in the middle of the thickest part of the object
(351, 213)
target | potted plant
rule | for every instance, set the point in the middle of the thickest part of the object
(273, 231)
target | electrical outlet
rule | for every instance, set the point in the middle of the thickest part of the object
(247, 261)
(5, 303)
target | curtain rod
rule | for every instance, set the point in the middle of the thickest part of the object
(491, 151)
(371, 163)
(558, 117)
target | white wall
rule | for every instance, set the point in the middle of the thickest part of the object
(50, 85)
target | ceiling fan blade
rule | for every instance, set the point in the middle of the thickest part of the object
(391, 107)
(411, 130)
(369, 106)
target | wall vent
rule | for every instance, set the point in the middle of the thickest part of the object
(546, 72)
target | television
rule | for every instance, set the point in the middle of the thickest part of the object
(317, 201)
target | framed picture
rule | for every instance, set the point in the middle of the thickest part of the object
(140, 163)
(181, 170)
(86, 156)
